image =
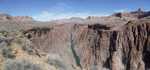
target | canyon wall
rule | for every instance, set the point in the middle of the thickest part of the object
(96, 46)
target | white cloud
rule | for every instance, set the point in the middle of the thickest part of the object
(47, 16)
(62, 10)
(54, 12)
(121, 10)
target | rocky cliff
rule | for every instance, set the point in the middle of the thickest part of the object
(103, 43)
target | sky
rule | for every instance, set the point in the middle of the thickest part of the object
(45, 10)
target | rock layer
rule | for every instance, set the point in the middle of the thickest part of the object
(115, 50)
(98, 47)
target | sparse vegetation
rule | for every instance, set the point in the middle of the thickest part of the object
(57, 63)
(3, 33)
(7, 52)
(28, 49)
(20, 65)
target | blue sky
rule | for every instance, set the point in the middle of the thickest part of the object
(56, 9)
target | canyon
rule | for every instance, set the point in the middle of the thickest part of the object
(120, 41)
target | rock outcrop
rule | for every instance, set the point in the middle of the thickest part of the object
(102, 49)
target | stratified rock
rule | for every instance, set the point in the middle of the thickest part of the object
(114, 50)
(135, 15)
(22, 18)
(97, 46)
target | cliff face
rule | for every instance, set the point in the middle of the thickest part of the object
(55, 41)
(96, 46)
(122, 49)
(120, 45)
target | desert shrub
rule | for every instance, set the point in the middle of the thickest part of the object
(28, 49)
(20, 65)
(57, 63)
(7, 52)
(3, 33)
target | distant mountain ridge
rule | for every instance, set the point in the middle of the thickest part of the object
(135, 14)
(4, 16)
